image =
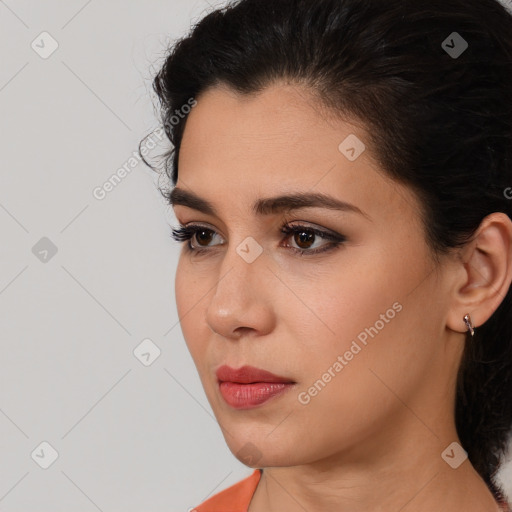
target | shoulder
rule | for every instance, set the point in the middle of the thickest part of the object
(233, 499)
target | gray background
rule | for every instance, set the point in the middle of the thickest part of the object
(131, 433)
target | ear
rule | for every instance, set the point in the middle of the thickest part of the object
(484, 273)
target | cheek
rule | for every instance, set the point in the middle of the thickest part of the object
(190, 290)
(369, 317)
(343, 301)
(183, 287)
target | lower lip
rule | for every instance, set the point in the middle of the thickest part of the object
(246, 396)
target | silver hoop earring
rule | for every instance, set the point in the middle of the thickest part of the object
(469, 325)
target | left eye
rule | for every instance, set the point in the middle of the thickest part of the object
(303, 236)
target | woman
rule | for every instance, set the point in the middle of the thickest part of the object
(342, 174)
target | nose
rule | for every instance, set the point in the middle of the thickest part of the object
(241, 303)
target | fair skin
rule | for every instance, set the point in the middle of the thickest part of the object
(372, 438)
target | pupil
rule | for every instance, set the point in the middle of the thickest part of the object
(305, 237)
(200, 235)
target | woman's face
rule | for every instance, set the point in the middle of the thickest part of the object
(358, 328)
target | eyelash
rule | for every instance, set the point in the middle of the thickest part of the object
(186, 233)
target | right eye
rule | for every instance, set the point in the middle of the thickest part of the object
(186, 233)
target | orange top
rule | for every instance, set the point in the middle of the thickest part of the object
(233, 499)
(238, 497)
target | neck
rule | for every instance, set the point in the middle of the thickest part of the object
(405, 472)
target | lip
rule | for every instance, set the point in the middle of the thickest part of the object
(248, 375)
(249, 387)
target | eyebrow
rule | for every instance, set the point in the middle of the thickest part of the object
(266, 206)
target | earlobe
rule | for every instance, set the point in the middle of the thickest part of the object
(487, 274)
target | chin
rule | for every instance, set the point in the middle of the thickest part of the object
(258, 451)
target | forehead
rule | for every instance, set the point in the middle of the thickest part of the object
(279, 132)
(281, 117)
(236, 148)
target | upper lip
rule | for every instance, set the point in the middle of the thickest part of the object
(247, 375)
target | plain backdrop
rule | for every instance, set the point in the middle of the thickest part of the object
(100, 404)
